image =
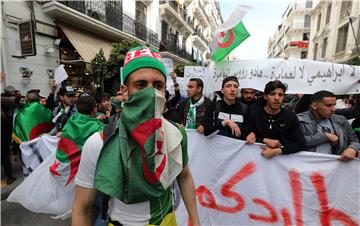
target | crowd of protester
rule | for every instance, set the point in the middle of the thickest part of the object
(284, 123)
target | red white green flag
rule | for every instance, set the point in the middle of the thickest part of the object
(32, 121)
(77, 130)
(144, 157)
(230, 34)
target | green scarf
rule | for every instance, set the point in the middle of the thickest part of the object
(77, 130)
(144, 156)
(191, 116)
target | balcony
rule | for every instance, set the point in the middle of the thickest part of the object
(102, 17)
(212, 20)
(170, 45)
(200, 41)
(200, 14)
(176, 16)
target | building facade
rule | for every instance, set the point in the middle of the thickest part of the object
(335, 31)
(323, 30)
(291, 39)
(73, 32)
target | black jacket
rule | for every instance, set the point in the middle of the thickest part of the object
(204, 114)
(236, 112)
(283, 126)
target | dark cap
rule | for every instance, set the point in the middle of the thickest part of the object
(67, 90)
(230, 78)
(9, 89)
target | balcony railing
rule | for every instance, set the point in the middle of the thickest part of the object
(110, 13)
(201, 35)
(182, 12)
(170, 44)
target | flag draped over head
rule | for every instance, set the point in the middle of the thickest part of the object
(144, 156)
(78, 128)
(32, 121)
(230, 34)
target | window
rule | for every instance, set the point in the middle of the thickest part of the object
(140, 13)
(345, 5)
(358, 34)
(308, 4)
(164, 30)
(140, 20)
(307, 21)
(318, 23)
(342, 38)
(315, 51)
(303, 55)
(328, 13)
(306, 36)
(323, 51)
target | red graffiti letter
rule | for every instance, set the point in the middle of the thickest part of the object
(297, 196)
(328, 214)
(202, 192)
(273, 218)
(286, 216)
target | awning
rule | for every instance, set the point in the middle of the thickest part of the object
(86, 43)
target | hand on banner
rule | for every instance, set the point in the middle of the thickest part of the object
(271, 152)
(348, 154)
(200, 129)
(271, 143)
(334, 139)
(235, 130)
(251, 138)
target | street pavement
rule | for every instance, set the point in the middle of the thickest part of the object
(14, 214)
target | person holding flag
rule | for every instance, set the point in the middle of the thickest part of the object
(137, 163)
(50, 188)
(32, 120)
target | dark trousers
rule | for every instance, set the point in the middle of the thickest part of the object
(5, 161)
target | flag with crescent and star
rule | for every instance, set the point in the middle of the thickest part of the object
(144, 156)
(229, 35)
(78, 128)
(31, 121)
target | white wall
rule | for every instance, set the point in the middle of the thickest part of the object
(39, 63)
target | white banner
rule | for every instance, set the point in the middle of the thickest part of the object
(204, 73)
(169, 65)
(301, 76)
(235, 185)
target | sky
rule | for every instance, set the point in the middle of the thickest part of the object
(261, 22)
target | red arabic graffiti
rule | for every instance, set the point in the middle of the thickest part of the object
(326, 214)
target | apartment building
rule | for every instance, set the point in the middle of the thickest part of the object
(38, 36)
(335, 31)
(291, 39)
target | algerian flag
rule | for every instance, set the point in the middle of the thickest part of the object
(77, 130)
(32, 121)
(230, 34)
(144, 156)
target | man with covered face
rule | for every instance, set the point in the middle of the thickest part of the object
(137, 164)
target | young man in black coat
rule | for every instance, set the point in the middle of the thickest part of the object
(278, 128)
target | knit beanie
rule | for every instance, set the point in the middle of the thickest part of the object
(142, 57)
(229, 78)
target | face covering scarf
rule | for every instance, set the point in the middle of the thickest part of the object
(144, 156)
